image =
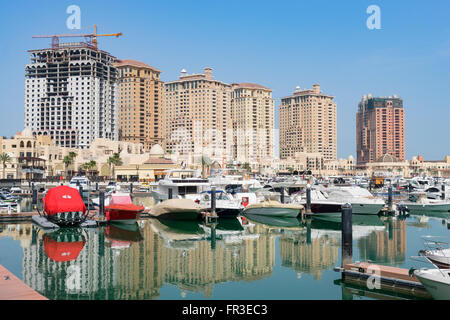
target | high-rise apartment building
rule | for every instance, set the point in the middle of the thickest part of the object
(308, 124)
(380, 128)
(141, 111)
(252, 113)
(71, 94)
(198, 116)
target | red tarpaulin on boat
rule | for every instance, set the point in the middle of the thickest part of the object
(63, 199)
(62, 251)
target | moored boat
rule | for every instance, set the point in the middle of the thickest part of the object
(64, 206)
(425, 205)
(436, 281)
(122, 210)
(177, 209)
(226, 205)
(273, 208)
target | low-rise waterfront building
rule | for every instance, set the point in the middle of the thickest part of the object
(34, 157)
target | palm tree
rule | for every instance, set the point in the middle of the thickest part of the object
(4, 158)
(89, 166)
(114, 161)
(67, 162)
(72, 155)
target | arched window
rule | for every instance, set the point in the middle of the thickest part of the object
(29, 144)
(22, 144)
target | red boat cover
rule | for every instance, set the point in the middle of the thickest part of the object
(62, 251)
(63, 199)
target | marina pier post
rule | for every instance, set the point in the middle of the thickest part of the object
(390, 198)
(443, 192)
(213, 201)
(131, 188)
(282, 194)
(308, 199)
(347, 237)
(35, 197)
(101, 205)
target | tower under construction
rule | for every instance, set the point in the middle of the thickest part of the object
(71, 94)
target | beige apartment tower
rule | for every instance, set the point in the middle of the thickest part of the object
(198, 117)
(141, 110)
(253, 113)
(308, 124)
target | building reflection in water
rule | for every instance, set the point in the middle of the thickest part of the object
(134, 262)
(307, 252)
(388, 246)
(114, 263)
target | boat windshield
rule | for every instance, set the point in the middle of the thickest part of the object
(219, 196)
(183, 174)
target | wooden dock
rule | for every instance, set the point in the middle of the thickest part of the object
(16, 217)
(12, 288)
(390, 278)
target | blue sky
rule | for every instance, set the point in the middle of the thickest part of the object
(279, 44)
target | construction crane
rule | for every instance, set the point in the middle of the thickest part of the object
(91, 38)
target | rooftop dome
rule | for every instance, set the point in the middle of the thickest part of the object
(387, 158)
(156, 151)
(26, 133)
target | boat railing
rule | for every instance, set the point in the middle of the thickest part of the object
(420, 259)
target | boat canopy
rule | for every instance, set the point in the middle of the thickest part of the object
(63, 199)
(120, 199)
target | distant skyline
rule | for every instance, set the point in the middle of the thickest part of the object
(279, 45)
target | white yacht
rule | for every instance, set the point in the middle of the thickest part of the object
(425, 205)
(239, 188)
(82, 181)
(436, 281)
(362, 201)
(331, 199)
(182, 182)
(420, 183)
(226, 205)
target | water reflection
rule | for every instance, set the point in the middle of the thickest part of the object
(64, 244)
(136, 261)
(385, 247)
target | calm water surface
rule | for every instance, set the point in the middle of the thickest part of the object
(257, 258)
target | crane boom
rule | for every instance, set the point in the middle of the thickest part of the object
(91, 38)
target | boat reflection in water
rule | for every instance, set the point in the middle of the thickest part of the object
(156, 253)
(64, 244)
(275, 221)
(119, 236)
(423, 218)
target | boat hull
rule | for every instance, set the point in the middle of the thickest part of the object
(184, 215)
(122, 216)
(435, 283)
(273, 212)
(357, 208)
(227, 212)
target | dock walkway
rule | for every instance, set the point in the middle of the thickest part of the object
(12, 288)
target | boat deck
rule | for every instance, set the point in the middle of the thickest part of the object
(391, 278)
